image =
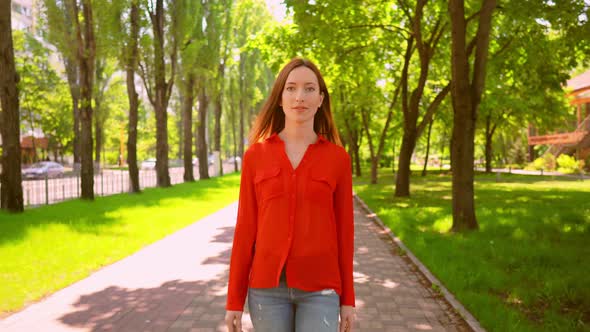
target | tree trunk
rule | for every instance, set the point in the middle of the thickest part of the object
(187, 120)
(466, 97)
(218, 110)
(489, 134)
(532, 155)
(161, 97)
(357, 158)
(98, 134)
(393, 145)
(402, 181)
(133, 59)
(86, 53)
(242, 111)
(201, 142)
(373, 154)
(427, 147)
(72, 69)
(100, 84)
(11, 195)
(233, 124)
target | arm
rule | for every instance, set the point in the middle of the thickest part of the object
(345, 227)
(244, 238)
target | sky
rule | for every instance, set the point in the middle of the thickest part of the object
(277, 9)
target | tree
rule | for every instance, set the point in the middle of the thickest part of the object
(466, 89)
(11, 195)
(86, 48)
(190, 32)
(61, 33)
(43, 96)
(158, 87)
(131, 58)
(225, 9)
(426, 43)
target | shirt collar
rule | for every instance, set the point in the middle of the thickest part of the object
(275, 138)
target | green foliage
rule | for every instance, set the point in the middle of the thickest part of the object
(569, 164)
(44, 97)
(546, 163)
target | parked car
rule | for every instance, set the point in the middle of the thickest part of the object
(148, 164)
(43, 169)
(233, 158)
(151, 163)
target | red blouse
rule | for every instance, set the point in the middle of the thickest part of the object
(300, 218)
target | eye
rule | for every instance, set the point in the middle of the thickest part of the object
(310, 89)
(290, 88)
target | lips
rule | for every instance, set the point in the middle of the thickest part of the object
(300, 108)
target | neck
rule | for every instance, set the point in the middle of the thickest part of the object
(299, 133)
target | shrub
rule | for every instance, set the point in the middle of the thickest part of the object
(546, 162)
(569, 164)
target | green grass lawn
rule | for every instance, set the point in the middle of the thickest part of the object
(47, 248)
(526, 269)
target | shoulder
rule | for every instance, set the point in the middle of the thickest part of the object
(337, 152)
(258, 151)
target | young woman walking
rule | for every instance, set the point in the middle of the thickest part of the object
(294, 238)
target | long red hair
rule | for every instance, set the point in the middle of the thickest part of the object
(271, 118)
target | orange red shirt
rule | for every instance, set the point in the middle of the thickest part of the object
(300, 219)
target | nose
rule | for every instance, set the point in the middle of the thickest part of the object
(299, 96)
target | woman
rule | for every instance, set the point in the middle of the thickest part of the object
(294, 239)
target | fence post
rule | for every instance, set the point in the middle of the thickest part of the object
(121, 181)
(541, 171)
(46, 189)
(77, 184)
(101, 183)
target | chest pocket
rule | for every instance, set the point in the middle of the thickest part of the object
(269, 183)
(320, 188)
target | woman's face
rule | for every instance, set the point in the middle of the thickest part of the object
(301, 96)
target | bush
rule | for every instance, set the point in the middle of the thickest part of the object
(569, 164)
(546, 163)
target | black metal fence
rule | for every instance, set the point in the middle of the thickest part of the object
(106, 182)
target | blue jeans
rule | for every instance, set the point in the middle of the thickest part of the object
(284, 309)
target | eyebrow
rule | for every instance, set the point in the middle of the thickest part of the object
(306, 83)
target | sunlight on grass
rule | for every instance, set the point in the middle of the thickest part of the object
(528, 262)
(50, 247)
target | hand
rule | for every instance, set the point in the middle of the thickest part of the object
(233, 321)
(346, 318)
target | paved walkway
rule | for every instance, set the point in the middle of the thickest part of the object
(179, 284)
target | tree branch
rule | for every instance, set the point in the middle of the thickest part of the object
(145, 78)
(386, 27)
(432, 108)
(388, 121)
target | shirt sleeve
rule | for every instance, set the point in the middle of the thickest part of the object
(345, 227)
(244, 238)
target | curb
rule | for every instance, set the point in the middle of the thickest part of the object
(449, 297)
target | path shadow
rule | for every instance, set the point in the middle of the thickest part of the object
(178, 305)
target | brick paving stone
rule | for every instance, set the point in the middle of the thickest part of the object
(178, 284)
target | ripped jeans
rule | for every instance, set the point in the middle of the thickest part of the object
(284, 309)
